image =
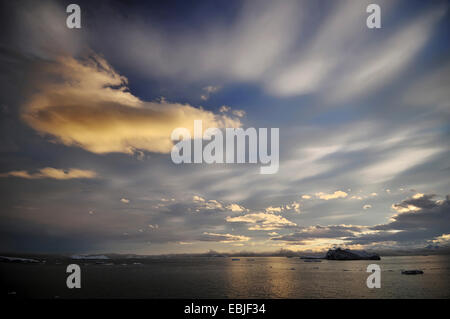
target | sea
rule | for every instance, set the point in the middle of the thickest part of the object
(225, 277)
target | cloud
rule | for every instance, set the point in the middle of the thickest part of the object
(227, 109)
(196, 198)
(272, 209)
(53, 173)
(416, 203)
(223, 238)
(443, 240)
(235, 208)
(262, 221)
(428, 222)
(313, 232)
(386, 60)
(203, 204)
(91, 108)
(211, 89)
(335, 195)
(212, 204)
(238, 113)
(261, 45)
(208, 91)
(403, 208)
(295, 206)
(243, 50)
(40, 29)
(430, 90)
(224, 109)
(397, 162)
(347, 62)
(420, 220)
(184, 243)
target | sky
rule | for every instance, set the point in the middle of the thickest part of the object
(87, 114)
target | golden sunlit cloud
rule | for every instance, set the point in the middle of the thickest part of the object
(53, 173)
(91, 108)
(224, 238)
(336, 194)
(402, 208)
(184, 243)
(235, 208)
(443, 239)
(262, 221)
(272, 209)
(124, 200)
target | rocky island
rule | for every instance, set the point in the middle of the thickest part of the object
(347, 254)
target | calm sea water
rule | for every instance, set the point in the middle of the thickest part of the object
(215, 277)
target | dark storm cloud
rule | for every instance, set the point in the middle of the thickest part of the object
(420, 201)
(426, 219)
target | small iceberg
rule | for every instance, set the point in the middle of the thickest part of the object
(412, 272)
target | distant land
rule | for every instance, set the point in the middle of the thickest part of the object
(213, 253)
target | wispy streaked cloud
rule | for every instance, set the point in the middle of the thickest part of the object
(223, 238)
(262, 221)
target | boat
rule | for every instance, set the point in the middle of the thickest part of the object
(235, 259)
